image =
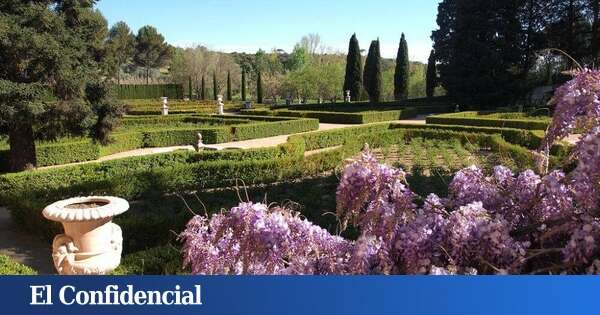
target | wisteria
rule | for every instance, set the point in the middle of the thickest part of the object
(501, 223)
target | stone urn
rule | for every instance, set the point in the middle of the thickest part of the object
(91, 243)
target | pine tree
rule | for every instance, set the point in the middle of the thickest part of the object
(121, 47)
(229, 85)
(151, 50)
(215, 86)
(431, 76)
(353, 81)
(259, 89)
(203, 89)
(53, 78)
(190, 87)
(372, 78)
(402, 74)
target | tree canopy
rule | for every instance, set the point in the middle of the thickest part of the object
(151, 51)
(52, 80)
(402, 73)
(353, 81)
(372, 77)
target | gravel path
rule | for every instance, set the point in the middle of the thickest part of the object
(23, 247)
(247, 144)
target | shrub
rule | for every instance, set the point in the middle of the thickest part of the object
(162, 260)
(477, 119)
(26, 193)
(146, 91)
(269, 129)
(58, 153)
(10, 267)
(349, 113)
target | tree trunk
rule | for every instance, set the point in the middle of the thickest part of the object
(147, 76)
(571, 32)
(22, 147)
(595, 20)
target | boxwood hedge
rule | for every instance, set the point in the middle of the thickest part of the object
(226, 129)
(475, 119)
(26, 193)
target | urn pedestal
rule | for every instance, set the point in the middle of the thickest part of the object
(91, 243)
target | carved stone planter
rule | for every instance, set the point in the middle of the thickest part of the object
(91, 243)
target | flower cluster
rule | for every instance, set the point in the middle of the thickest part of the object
(577, 103)
(252, 239)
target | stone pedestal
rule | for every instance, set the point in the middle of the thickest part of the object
(91, 243)
(164, 109)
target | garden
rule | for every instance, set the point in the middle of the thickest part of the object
(415, 170)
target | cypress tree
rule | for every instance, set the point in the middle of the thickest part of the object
(243, 85)
(229, 85)
(431, 76)
(402, 73)
(353, 81)
(215, 88)
(372, 75)
(203, 89)
(190, 87)
(259, 89)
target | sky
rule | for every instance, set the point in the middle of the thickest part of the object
(247, 25)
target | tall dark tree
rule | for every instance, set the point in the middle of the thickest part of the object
(203, 89)
(215, 86)
(243, 85)
(431, 75)
(121, 44)
(190, 87)
(353, 80)
(259, 89)
(372, 78)
(151, 51)
(52, 80)
(594, 11)
(229, 85)
(569, 29)
(477, 47)
(402, 73)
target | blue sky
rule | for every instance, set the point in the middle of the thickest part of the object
(237, 25)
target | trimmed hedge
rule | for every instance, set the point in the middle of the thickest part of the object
(58, 153)
(8, 267)
(146, 91)
(481, 121)
(26, 193)
(162, 260)
(369, 114)
(228, 129)
(337, 117)
(269, 129)
(441, 102)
